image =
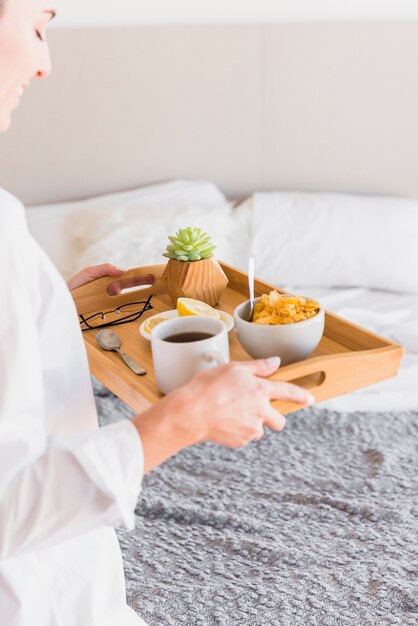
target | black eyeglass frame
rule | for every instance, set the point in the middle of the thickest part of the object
(124, 320)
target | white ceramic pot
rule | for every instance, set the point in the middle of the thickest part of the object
(291, 342)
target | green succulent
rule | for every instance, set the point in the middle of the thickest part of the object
(189, 244)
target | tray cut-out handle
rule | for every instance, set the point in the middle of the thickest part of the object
(317, 373)
(334, 374)
(310, 373)
(97, 295)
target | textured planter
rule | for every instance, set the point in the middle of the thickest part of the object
(203, 280)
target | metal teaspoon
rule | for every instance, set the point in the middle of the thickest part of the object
(109, 340)
(251, 270)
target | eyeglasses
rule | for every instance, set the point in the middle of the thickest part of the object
(121, 315)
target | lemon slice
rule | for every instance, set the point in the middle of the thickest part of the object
(152, 322)
(188, 306)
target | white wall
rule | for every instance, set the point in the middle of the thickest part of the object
(125, 12)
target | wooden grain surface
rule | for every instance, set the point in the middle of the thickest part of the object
(348, 356)
(201, 280)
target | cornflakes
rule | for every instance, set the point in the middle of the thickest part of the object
(275, 308)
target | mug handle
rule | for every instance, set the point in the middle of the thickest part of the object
(212, 358)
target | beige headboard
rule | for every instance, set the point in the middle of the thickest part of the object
(287, 106)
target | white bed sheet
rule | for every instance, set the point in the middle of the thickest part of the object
(393, 315)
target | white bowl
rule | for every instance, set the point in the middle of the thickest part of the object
(291, 342)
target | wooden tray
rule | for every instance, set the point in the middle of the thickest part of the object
(347, 358)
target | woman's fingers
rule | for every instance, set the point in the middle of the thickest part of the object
(91, 273)
(98, 271)
(258, 431)
(273, 419)
(277, 390)
(261, 367)
(115, 288)
(107, 269)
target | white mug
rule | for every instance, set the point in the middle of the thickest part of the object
(176, 363)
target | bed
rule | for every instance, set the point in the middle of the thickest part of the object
(318, 525)
(130, 228)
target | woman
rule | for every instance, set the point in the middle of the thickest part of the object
(64, 483)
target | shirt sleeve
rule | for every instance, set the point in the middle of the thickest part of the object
(52, 488)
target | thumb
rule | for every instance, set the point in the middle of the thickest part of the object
(105, 269)
(91, 273)
(262, 367)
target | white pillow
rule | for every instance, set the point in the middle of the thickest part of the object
(329, 239)
(131, 229)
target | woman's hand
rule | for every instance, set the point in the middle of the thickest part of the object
(107, 269)
(229, 405)
(91, 273)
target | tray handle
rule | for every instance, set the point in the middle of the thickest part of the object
(95, 295)
(321, 375)
(334, 374)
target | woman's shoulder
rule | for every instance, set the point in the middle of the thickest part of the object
(7, 198)
(12, 213)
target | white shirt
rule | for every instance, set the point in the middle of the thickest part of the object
(64, 483)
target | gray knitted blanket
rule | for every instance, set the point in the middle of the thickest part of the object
(317, 525)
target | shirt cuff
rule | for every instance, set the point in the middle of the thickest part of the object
(113, 458)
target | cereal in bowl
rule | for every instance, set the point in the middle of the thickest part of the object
(275, 308)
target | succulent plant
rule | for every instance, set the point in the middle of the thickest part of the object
(189, 244)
